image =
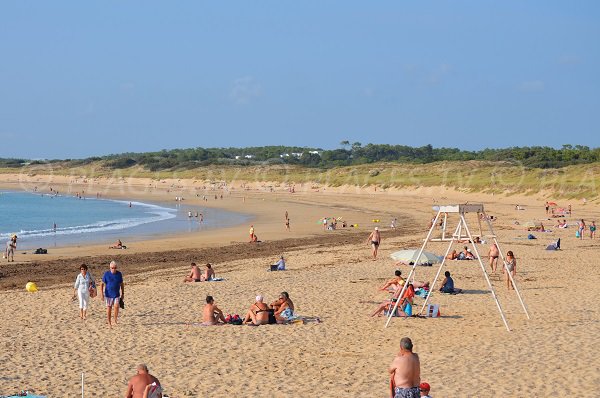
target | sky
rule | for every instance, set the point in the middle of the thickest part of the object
(80, 79)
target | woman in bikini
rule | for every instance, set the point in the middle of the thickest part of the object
(258, 314)
(511, 267)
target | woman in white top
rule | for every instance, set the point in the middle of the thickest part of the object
(82, 289)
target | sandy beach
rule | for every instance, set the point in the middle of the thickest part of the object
(466, 352)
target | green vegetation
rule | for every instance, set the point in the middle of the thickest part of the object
(566, 172)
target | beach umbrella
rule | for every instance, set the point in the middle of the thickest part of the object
(552, 204)
(409, 256)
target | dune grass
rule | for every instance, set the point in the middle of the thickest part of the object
(472, 176)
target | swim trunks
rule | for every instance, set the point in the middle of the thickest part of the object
(412, 392)
(374, 242)
(197, 280)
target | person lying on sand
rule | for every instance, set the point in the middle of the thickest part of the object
(211, 314)
(407, 297)
(283, 307)
(258, 314)
(118, 245)
(448, 285)
(453, 255)
(194, 275)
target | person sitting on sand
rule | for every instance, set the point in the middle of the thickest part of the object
(395, 282)
(194, 275)
(279, 265)
(258, 314)
(211, 314)
(283, 307)
(407, 297)
(138, 385)
(453, 255)
(448, 285)
(209, 273)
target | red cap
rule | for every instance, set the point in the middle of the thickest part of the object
(424, 386)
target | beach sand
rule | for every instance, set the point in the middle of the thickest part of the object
(467, 352)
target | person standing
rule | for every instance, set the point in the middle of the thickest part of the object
(252, 233)
(581, 226)
(593, 230)
(374, 239)
(81, 289)
(137, 387)
(113, 290)
(405, 372)
(511, 267)
(11, 246)
(493, 254)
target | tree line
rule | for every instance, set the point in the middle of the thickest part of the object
(347, 155)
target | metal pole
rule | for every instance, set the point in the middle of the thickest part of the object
(82, 391)
(412, 271)
(509, 274)
(437, 275)
(487, 279)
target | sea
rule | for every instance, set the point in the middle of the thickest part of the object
(47, 220)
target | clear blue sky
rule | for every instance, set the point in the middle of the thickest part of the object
(82, 78)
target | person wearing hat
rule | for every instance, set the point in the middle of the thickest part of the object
(425, 387)
(11, 246)
(258, 314)
(374, 239)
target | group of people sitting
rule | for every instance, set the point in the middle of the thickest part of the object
(279, 311)
(465, 254)
(196, 275)
(404, 308)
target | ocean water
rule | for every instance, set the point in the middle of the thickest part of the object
(90, 220)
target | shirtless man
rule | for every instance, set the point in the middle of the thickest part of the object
(405, 371)
(374, 239)
(397, 281)
(137, 384)
(194, 275)
(212, 315)
(493, 254)
(209, 273)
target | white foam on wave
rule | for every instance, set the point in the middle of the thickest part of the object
(159, 213)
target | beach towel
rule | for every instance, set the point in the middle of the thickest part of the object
(216, 280)
(155, 391)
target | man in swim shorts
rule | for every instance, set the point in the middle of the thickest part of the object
(405, 371)
(493, 255)
(374, 239)
(194, 275)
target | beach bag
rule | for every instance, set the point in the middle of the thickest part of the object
(408, 309)
(577, 234)
(155, 391)
(432, 311)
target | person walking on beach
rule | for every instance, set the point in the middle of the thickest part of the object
(374, 239)
(493, 255)
(593, 230)
(11, 246)
(142, 384)
(581, 226)
(511, 267)
(113, 289)
(252, 233)
(82, 289)
(405, 372)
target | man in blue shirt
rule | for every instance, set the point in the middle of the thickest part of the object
(113, 289)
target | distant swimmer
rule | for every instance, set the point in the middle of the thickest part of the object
(129, 204)
(189, 214)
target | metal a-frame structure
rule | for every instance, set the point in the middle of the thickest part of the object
(462, 231)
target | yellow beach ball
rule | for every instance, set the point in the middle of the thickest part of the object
(31, 287)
